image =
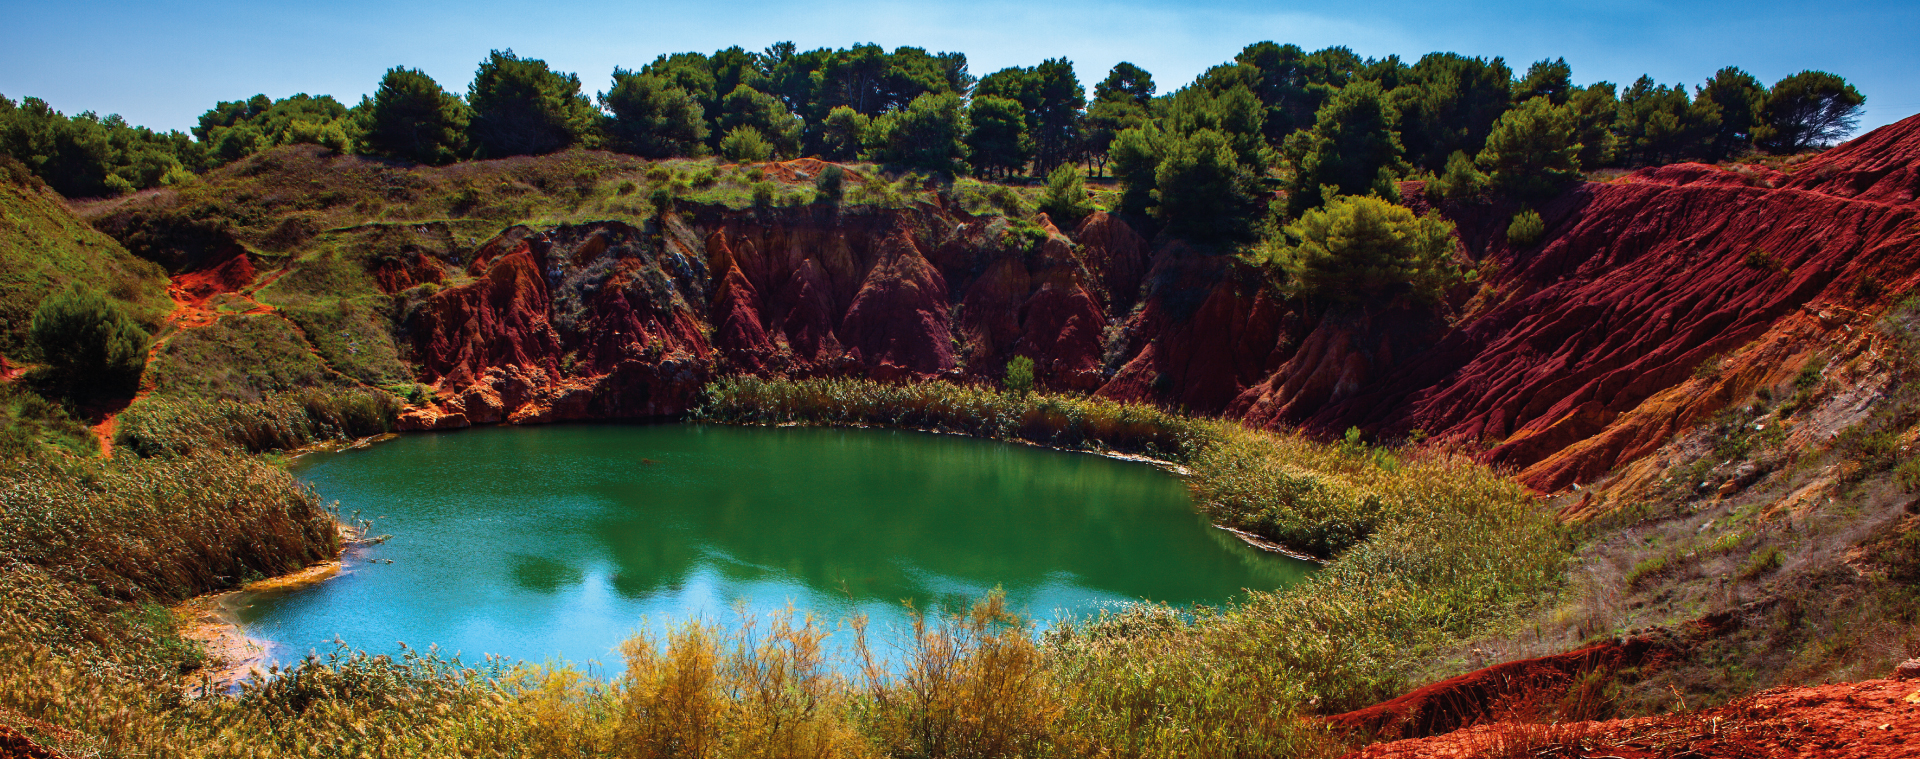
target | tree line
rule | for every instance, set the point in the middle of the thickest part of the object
(1325, 115)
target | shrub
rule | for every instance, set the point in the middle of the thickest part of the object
(763, 193)
(1461, 179)
(1527, 228)
(88, 342)
(1020, 376)
(831, 184)
(1065, 199)
(745, 145)
(168, 426)
(1759, 258)
(1761, 562)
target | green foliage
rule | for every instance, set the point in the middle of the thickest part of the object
(1290, 83)
(652, 117)
(1020, 376)
(1760, 259)
(1062, 421)
(1125, 82)
(1353, 149)
(87, 156)
(1360, 250)
(1808, 109)
(1596, 108)
(1120, 102)
(44, 250)
(160, 530)
(1741, 100)
(1449, 102)
(831, 183)
(1761, 562)
(31, 425)
(1461, 181)
(240, 357)
(237, 129)
(520, 107)
(750, 108)
(998, 142)
(1105, 120)
(844, 134)
(1660, 124)
(1052, 99)
(89, 343)
(745, 145)
(1527, 228)
(1531, 154)
(1203, 191)
(763, 194)
(929, 134)
(411, 118)
(1552, 80)
(177, 425)
(1065, 200)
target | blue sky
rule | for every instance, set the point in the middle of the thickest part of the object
(161, 63)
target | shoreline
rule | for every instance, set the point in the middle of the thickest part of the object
(234, 656)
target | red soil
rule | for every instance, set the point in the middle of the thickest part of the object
(193, 292)
(1875, 719)
(1638, 283)
(1481, 695)
(14, 745)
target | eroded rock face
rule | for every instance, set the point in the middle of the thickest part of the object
(1652, 302)
(609, 320)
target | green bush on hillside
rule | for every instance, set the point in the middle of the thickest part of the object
(89, 343)
(1020, 376)
(1065, 199)
(1527, 228)
(745, 145)
(1365, 250)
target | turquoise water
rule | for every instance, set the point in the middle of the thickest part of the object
(556, 543)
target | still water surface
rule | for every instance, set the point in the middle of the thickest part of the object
(558, 542)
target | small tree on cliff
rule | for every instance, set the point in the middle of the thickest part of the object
(1532, 153)
(1808, 109)
(1362, 250)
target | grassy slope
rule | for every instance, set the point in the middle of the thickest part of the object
(43, 248)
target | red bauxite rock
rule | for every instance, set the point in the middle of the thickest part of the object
(1584, 353)
(1637, 284)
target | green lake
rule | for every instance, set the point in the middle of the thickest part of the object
(556, 543)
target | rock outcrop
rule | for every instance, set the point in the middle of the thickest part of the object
(1647, 307)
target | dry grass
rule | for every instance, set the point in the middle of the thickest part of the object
(1444, 551)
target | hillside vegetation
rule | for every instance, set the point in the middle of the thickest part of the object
(1407, 319)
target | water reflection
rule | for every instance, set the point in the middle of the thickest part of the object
(560, 541)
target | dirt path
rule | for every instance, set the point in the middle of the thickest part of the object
(196, 304)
